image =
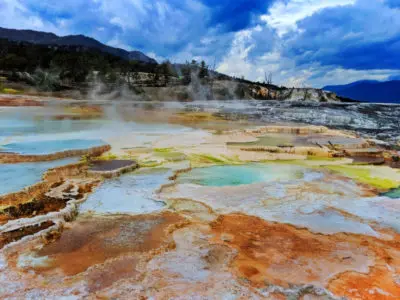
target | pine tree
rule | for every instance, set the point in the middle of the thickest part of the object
(203, 70)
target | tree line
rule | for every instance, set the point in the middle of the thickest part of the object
(54, 66)
(76, 64)
(72, 63)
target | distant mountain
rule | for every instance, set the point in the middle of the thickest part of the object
(369, 91)
(46, 38)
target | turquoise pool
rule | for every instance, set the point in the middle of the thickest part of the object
(50, 146)
(394, 194)
(242, 174)
(14, 177)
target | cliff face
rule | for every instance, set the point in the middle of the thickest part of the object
(231, 90)
(307, 94)
(144, 89)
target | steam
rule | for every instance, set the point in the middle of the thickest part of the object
(114, 96)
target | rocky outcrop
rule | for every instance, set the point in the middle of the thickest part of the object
(305, 94)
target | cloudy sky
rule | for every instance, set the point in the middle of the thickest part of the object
(302, 42)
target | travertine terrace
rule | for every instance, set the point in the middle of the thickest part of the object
(197, 204)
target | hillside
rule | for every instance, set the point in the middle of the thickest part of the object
(45, 38)
(79, 67)
(369, 91)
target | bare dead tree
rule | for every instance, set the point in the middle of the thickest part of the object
(268, 81)
(268, 78)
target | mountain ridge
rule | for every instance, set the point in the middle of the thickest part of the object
(48, 38)
(369, 91)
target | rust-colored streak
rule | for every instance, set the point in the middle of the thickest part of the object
(105, 275)
(276, 253)
(281, 254)
(377, 284)
(94, 240)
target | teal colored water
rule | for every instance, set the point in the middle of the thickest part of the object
(21, 125)
(243, 174)
(14, 177)
(12, 126)
(394, 194)
(48, 147)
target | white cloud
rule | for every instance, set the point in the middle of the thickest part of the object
(156, 57)
(178, 30)
(344, 76)
(241, 62)
(13, 14)
(117, 43)
(283, 15)
(236, 63)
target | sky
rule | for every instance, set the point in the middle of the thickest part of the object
(300, 42)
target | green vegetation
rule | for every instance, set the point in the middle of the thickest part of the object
(203, 72)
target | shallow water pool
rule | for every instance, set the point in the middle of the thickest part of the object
(14, 177)
(49, 147)
(394, 194)
(242, 174)
(131, 193)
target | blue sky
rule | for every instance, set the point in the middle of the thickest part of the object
(302, 42)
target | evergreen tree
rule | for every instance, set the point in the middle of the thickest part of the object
(203, 70)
